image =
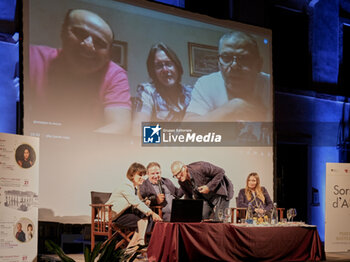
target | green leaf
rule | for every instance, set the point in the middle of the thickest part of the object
(53, 247)
(87, 255)
(95, 251)
(108, 250)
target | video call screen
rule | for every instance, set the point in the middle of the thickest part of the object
(97, 74)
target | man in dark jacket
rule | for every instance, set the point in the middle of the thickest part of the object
(158, 190)
(203, 180)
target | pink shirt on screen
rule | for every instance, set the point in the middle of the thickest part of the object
(113, 89)
(77, 101)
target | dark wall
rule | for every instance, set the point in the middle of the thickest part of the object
(310, 65)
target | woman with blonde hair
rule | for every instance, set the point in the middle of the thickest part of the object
(254, 194)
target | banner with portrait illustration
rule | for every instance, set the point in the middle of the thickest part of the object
(19, 184)
(337, 227)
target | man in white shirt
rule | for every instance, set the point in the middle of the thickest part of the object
(239, 91)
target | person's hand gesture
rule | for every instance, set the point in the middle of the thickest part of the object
(260, 211)
(160, 198)
(156, 217)
(245, 110)
(203, 189)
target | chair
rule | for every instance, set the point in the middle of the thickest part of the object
(101, 221)
(280, 210)
(237, 213)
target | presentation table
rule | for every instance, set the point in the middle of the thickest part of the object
(234, 242)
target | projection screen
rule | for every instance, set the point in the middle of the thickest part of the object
(78, 155)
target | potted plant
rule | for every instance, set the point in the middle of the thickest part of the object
(102, 252)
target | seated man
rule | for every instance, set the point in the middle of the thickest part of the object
(159, 190)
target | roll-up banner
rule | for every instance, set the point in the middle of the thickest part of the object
(337, 227)
(19, 183)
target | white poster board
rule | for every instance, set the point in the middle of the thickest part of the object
(337, 227)
(19, 184)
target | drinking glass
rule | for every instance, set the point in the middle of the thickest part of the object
(220, 214)
(289, 214)
(293, 213)
(262, 211)
(227, 213)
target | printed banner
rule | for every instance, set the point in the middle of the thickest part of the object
(337, 227)
(19, 183)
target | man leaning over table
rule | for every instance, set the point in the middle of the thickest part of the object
(203, 180)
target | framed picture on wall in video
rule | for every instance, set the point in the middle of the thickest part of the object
(119, 53)
(203, 59)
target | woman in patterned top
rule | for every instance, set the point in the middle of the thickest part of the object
(164, 98)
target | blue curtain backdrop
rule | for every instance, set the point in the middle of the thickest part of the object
(9, 53)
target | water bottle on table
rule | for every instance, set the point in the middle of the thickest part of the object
(274, 214)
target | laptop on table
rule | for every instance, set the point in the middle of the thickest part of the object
(186, 210)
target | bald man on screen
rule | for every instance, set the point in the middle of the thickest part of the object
(78, 85)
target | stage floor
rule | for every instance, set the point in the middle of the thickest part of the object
(75, 257)
(330, 256)
(338, 256)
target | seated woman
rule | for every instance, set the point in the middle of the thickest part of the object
(129, 210)
(164, 98)
(254, 194)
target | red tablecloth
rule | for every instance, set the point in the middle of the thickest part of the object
(228, 242)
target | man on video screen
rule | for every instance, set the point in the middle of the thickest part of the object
(239, 91)
(78, 85)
